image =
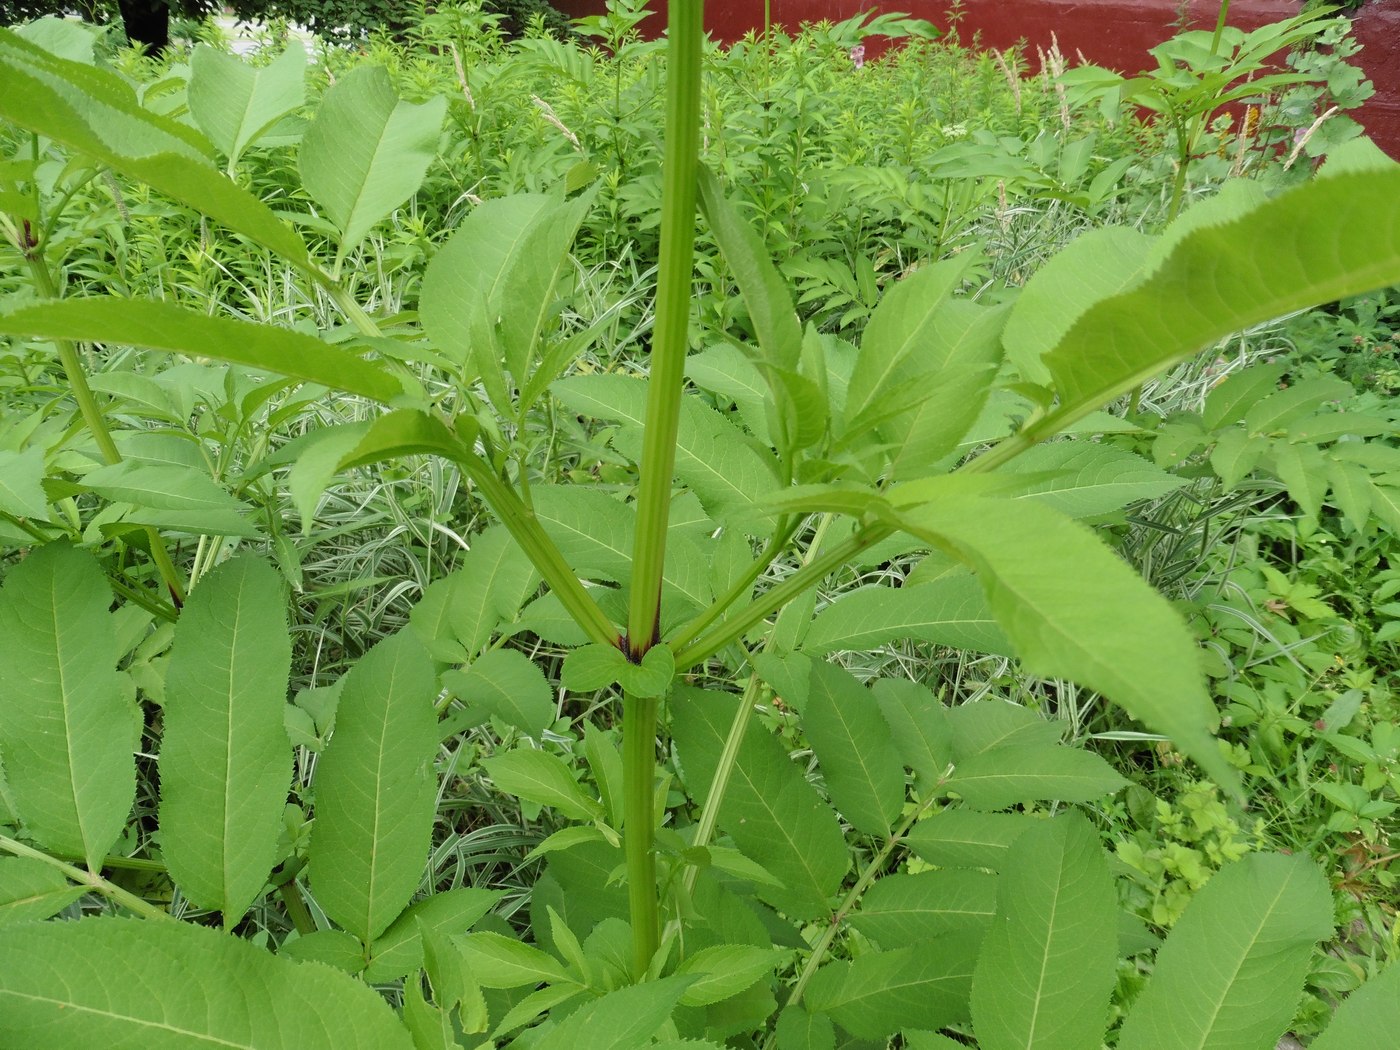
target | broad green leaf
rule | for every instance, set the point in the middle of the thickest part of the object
(333, 947)
(986, 724)
(1073, 610)
(492, 582)
(1293, 402)
(544, 778)
(429, 1024)
(1226, 276)
(909, 910)
(929, 1041)
(855, 749)
(1236, 453)
(920, 728)
(1238, 392)
(59, 36)
(923, 436)
(967, 839)
(21, 484)
(174, 329)
(878, 993)
(71, 984)
(496, 961)
(1089, 479)
(1351, 491)
(1371, 1009)
(799, 1030)
(400, 949)
(1006, 776)
(225, 761)
(725, 970)
(178, 497)
(1303, 469)
(375, 789)
(951, 612)
(1231, 972)
(235, 103)
(1046, 969)
(725, 371)
(94, 112)
(769, 809)
(68, 720)
(504, 684)
(31, 889)
(366, 152)
(621, 1020)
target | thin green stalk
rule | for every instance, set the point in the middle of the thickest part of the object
(751, 615)
(638, 817)
(743, 585)
(90, 879)
(297, 910)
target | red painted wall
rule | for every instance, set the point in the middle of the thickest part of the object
(1114, 33)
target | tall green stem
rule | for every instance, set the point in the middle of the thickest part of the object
(638, 817)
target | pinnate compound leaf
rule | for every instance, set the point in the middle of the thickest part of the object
(1371, 1009)
(70, 984)
(1231, 972)
(878, 993)
(622, 1020)
(225, 760)
(375, 789)
(1073, 610)
(366, 152)
(855, 749)
(1006, 776)
(1046, 969)
(174, 329)
(770, 810)
(31, 889)
(951, 612)
(235, 103)
(68, 719)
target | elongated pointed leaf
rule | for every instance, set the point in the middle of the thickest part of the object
(164, 326)
(1084, 479)
(172, 986)
(496, 961)
(504, 684)
(908, 910)
(917, 721)
(30, 889)
(951, 612)
(234, 103)
(619, 1020)
(1371, 1009)
(451, 912)
(1073, 610)
(1230, 974)
(1006, 776)
(21, 484)
(543, 778)
(366, 152)
(375, 789)
(878, 993)
(1335, 236)
(1045, 972)
(961, 838)
(769, 809)
(68, 720)
(855, 749)
(225, 760)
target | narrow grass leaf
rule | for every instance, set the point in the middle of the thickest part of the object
(366, 152)
(71, 984)
(1045, 972)
(375, 789)
(225, 760)
(1231, 972)
(854, 748)
(68, 719)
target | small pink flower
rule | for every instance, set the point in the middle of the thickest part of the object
(858, 55)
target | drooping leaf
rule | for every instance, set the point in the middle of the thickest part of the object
(504, 684)
(1074, 610)
(235, 103)
(1006, 776)
(1230, 974)
(375, 789)
(951, 612)
(878, 993)
(544, 778)
(855, 749)
(174, 329)
(30, 889)
(774, 816)
(68, 719)
(70, 984)
(225, 760)
(366, 151)
(1045, 972)
(909, 910)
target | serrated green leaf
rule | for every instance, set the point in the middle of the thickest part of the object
(1074, 610)
(174, 329)
(986, 724)
(1006, 776)
(30, 890)
(1090, 479)
(967, 839)
(1238, 392)
(855, 749)
(592, 667)
(1236, 453)
(21, 484)
(950, 612)
(235, 103)
(1303, 470)
(799, 1030)
(876, 994)
(725, 970)
(1046, 969)
(544, 778)
(225, 760)
(69, 984)
(1351, 492)
(504, 684)
(1230, 974)
(1371, 1009)
(774, 816)
(400, 949)
(366, 152)
(375, 789)
(68, 720)
(921, 735)
(333, 947)
(496, 961)
(909, 910)
(621, 1020)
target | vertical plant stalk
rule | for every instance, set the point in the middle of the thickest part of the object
(676, 271)
(93, 418)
